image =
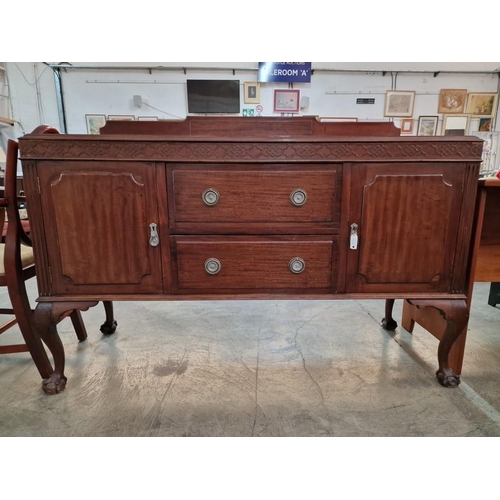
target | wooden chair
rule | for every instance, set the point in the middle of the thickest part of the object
(17, 265)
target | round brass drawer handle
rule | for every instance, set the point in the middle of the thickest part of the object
(298, 197)
(213, 266)
(297, 265)
(210, 197)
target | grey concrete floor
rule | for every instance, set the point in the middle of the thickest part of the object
(255, 368)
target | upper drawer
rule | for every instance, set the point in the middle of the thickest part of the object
(254, 194)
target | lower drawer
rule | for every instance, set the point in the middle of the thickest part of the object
(255, 263)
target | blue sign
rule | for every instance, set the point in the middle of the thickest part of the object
(285, 72)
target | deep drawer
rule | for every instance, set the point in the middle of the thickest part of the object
(255, 263)
(254, 194)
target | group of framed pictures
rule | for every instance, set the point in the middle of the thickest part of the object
(452, 125)
(95, 122)
(285, 100)
(458, 107)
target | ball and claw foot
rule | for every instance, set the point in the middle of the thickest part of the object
(54, 384)
(389, 324)
(448, 378)
(109, 327)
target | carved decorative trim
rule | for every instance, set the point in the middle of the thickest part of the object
(207, 151)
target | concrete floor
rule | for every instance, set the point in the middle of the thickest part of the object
(255, 368)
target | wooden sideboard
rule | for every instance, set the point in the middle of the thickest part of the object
(250, 212)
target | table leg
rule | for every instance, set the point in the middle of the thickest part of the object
(388, 322)
(109, 326)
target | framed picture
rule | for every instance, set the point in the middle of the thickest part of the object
(399, 102)
(252, 92)
(129, 118)
(485, 124)
(427, 125)
(456, 124)
(286, 101)
(94, 123)
(482, 104)
(336, 119)
(147, 118)
(406, 125)
(452, 101)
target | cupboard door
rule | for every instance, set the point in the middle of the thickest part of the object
(407, 227)
(97, 218)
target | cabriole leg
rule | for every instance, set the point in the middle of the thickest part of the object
(46, 317)
(456, 314)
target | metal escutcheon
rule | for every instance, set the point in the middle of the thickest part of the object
(298, 197)
(154, 239)
(210, 197)
(297, 265)
(354, 240)
(212, 266)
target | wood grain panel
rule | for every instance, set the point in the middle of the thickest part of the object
(101, 241)
(407, 226)
(255, 263)
(395, 258)
(221, 126)
(464, 230)
(255, 195)
(37, 228)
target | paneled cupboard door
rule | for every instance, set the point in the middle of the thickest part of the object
(403, 224)
(101, 225)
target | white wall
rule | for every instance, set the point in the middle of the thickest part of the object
(32, 95)
(87, 91)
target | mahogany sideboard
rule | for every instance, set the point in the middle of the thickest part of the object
(250, 212)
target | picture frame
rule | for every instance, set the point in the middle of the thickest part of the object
(452, 101)
(147, 118)
(482, 103)
(399, 103)
(456, 124)
(286, 100)
(336, 119)
(485, 124)
(427, 125)
(406, 126)
(129, 118)
(94, 123)
(252, 92)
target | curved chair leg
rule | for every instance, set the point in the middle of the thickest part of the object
(23, 313)
(388, 322)
(109, 326)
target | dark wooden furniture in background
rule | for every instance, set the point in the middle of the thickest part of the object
(20, 201)
(494, 297)
(484, 266)
(250, 212)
